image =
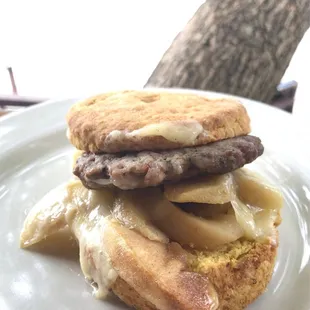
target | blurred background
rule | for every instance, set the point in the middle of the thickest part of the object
(75, 48)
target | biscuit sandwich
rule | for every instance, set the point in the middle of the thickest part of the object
(164, 212)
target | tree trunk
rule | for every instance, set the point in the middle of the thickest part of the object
(241, 47)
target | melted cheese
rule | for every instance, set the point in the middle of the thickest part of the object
(93, 212)
(185, 132)
(102, 181)
(86, 213)
(179, 132)
(95, 262)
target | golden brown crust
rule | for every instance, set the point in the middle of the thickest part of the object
(239, 272)
(130, 296)
(92, 120)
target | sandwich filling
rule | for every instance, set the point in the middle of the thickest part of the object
(198, 214)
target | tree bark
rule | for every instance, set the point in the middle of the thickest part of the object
(240, 47)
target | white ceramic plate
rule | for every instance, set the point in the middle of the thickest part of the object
(35, 157)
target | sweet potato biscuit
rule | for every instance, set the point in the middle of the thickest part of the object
(106, 123)
(239, 272)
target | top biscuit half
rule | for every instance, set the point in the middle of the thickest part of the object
(149, 120)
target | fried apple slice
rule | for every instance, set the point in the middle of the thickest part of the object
(253, 190)
(206, 210)
(48, 216)
(157, 271)
(131, 213)
(58, 208)
(205, 189)
(185, 228)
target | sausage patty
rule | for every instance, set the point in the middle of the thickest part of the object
(147, 168)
